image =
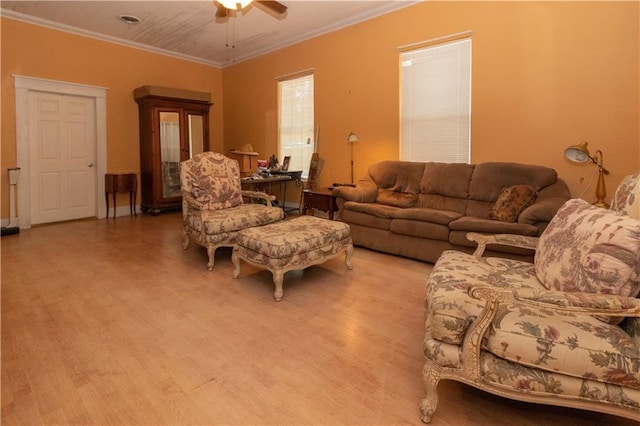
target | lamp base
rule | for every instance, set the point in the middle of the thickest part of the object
(601, 204)
(10, 230)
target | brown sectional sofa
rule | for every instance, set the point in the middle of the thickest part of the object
(418, 210)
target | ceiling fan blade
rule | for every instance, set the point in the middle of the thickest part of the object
(276, 7)
(221, 11)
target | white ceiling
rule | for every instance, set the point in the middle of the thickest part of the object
(189, 30)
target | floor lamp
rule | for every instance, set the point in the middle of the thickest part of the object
(580, 154)
(352, 138)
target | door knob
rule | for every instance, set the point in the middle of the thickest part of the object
(90, 165)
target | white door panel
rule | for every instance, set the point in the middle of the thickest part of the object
(63, 144)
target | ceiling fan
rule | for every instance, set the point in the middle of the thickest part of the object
(226, 8)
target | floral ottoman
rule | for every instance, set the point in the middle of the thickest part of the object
(291, 245)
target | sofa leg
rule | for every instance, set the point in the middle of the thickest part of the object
(185, 240)
(431, 377)
(211, 252)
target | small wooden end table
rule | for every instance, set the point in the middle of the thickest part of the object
(321, 199)
(121, 182)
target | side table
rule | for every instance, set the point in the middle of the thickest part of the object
(321, 199)
(121, 182)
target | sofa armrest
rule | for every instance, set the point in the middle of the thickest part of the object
(258, 195)
(190, 202)
(594, 304)
(365, 191)
(521, 241)
(542, 210)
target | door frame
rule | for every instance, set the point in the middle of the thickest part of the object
(23, 86)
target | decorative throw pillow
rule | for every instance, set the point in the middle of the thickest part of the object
(590, 249)
(512, 201)
(627, 196)
(217, 192)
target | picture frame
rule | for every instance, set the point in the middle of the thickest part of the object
(285, 163)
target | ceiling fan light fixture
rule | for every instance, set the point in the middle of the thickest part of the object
(235, 4)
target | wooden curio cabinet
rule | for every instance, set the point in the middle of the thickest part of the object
(174, 125)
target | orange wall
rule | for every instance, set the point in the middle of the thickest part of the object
(545, 75)
(35, 51)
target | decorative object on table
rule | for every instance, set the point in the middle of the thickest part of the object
(12, 227)
(274, 164)
(352, 138)
(315, 165)
(580, 154)
(246, 159)
(285, 163)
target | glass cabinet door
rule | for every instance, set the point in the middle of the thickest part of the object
(170, 153)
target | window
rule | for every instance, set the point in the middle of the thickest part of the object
(295, 122)
(435, 118)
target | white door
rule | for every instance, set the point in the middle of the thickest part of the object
(62, 135)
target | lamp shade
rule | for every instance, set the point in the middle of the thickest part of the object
(578, 153)
(352, 138)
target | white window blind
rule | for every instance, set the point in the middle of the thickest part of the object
(295, 122)
(436, 103)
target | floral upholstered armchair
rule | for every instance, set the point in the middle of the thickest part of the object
(213, 206)
(564, 330)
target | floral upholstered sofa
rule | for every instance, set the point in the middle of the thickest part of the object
(564, 330)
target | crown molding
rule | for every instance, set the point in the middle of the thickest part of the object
(17, 16)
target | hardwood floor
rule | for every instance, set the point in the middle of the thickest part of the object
(110, 322)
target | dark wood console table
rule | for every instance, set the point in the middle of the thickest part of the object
(121, 182)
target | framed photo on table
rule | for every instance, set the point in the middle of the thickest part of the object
(285, 163)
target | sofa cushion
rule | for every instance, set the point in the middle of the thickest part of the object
(450, 309)
(575, 344)
(217, 191)
(512, 201)
(489, 179)
(420, 229)
(514, 377)
(590, 249)
(358, 214)
(398, 182)
(396, 198)
(627, 196)
(476, 224)
(218, 225)
(445, 186)
(373, 209)
(442, 217)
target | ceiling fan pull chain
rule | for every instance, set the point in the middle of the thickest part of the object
(233, 35)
